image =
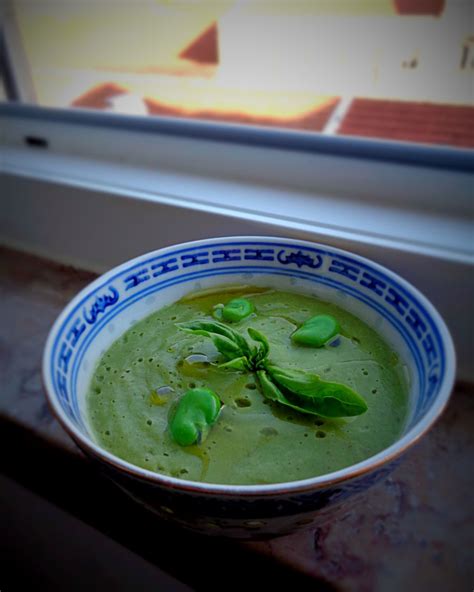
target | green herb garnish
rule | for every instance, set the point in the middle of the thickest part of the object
(307, 393)
(301, 390)
(227, 341)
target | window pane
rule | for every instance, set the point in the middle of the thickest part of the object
(393, 69)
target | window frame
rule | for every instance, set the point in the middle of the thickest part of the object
(130, 184)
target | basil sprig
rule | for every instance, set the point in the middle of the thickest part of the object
(308, 393)
(298, 389)
(228, 342)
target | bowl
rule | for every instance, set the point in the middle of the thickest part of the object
(107, 307)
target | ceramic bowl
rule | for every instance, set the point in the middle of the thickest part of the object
(106, 308)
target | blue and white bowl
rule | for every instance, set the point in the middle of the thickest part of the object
(106, 308)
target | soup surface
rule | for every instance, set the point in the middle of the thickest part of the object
(139, 380)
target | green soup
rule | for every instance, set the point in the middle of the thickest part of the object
(139, 380)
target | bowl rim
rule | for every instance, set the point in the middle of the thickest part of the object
(311, 484)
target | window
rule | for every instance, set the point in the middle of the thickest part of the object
(399, 70)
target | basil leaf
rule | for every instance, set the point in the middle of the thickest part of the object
(295, 380)
(338, 400)
(228, 348)
(241, 363)
(211, 326)
(214, 327)
(313, 395)
(258, 355)
(269, 388)
(271, 391)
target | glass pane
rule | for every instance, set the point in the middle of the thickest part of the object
(393, 69)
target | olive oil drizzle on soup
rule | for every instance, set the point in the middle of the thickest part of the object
(139, 379)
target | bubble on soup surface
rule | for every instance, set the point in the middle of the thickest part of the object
(243, 402)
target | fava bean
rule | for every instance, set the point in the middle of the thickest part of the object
(316, 331)
(196, 411)
(237, 309)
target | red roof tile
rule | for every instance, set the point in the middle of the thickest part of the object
(204, 49)
(429, 123)
(98, 96)
(419, 7)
